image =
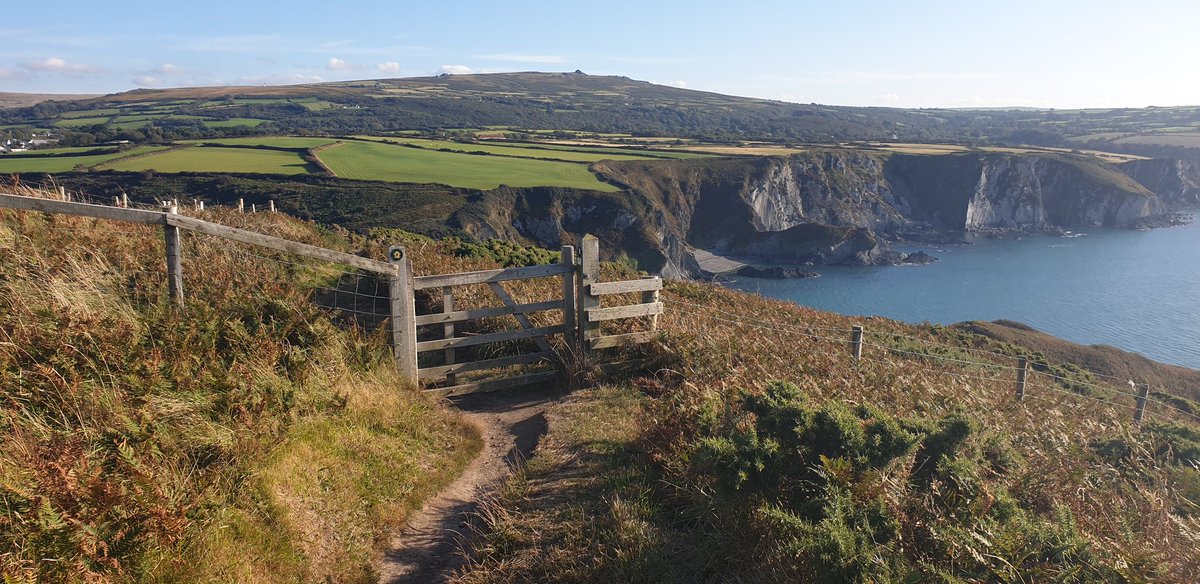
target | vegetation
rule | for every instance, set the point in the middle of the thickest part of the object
(215, 159)
(758, 450)
(244, 437)
(376, 161)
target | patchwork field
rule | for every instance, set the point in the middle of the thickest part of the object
(63, 159)
(524, 150)
(379, 161)
(216, 159)
(270, 141)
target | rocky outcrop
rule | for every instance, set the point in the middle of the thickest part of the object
(824, 206)
(755, 207)
(1176, 182)
(776, 272)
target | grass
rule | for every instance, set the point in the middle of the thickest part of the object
(524, 151)
(272, 141)
(45, 161)
(216, 159)
(756, 449)
(80, 122)
(243, 438)
(377, 161)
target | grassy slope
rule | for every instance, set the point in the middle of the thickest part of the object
(895, 469)
(376, 161)
(216, 159)
(245, 439)
(48, 161)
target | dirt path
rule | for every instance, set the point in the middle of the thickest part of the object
(428, 550)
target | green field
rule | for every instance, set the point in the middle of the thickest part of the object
(378, 161)
(216, 159)
(272, 141)
(80, 122)
(525, 151)
(45, 161)
(90, 113)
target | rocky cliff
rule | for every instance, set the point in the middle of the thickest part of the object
(826, 206)
(1176, 182)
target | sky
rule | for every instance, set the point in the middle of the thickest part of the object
(1052, 53)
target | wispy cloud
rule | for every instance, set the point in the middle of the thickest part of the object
(336, 64)
(233, 43)
(390, 67)
(146, 81)
(11, 74)
(859, 77)
(167, 69)
(55, 65)
(521, 58)
(454, 70)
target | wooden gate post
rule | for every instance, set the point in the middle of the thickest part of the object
(589, 273)
(1022, 373)
(448, 331)
(404, 314)
(1143, 395)
(566, 257)
(174, 261)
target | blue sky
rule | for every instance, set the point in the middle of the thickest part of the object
(912, 54)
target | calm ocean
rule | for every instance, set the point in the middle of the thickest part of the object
(1136, 290)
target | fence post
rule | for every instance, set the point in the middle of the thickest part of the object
(241, 205)
(1143, 395)
(62, 194)
(174, 261)
(253, 208)
(1022, 373)
(116, 201)
(566, 257)
(448, 330)
(403, 311)
(650, 298)
(856, 341)
(589, 273)
(271, 205)
(124, 200)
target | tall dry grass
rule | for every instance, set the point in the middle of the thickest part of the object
(247, 437)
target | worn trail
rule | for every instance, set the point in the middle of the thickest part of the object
(428, 550)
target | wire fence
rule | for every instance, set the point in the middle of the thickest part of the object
(992, 367)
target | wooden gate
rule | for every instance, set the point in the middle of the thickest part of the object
(421, 337)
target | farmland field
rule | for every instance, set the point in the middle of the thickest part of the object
(45, 161)
(527, 151)
(216, 159)
(272, 141)
(378, 161)
(233, 122)
(1185, 139)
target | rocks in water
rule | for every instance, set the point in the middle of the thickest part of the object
(918, 258)
(775, 272)
(1164, 220)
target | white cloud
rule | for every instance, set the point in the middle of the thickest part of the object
(167, 69)
(679, 84)
(336, 64)
(454, 70)
(890, 97)
(522, 58)
(145, 81)
(57, 65)
(10, 74)
(389, 67)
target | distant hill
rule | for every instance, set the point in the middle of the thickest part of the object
(577, 101)
(13, 100)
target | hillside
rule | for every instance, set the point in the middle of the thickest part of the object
(746, 442)
(250, 436)
(537, 102)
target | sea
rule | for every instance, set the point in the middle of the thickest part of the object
(1134, 290)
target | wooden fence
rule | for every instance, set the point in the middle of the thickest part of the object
(579, 305)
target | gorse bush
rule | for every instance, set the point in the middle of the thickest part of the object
(840, 493)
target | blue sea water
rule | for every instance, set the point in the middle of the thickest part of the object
(1136, 290)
